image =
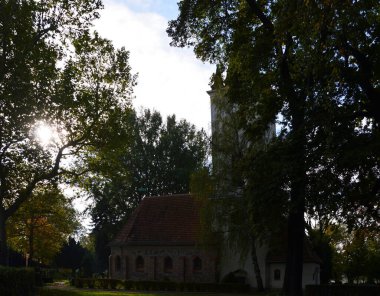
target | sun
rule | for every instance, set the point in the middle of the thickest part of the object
(44, 133)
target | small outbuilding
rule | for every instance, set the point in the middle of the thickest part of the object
(159, 243)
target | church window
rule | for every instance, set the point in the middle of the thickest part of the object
(139, 264)
(277, 275)
(168, 264)
(197, 264)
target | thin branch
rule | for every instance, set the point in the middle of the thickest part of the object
(74, 173)
(261, 15)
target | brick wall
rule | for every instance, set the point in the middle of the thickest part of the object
(154, 264)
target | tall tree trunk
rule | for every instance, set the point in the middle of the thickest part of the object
(256, 266)
(294, 264)
(296, 221)
(3, 239)
(30, 241)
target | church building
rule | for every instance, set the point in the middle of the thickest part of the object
(160, 242)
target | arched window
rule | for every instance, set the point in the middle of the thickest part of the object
(139, 264)
(168, 264)
(197, 264)
(277, 275)
(117, 263)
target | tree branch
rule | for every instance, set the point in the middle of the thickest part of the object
(26, 193)
(261, 15)
(43, 32)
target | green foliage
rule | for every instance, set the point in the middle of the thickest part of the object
(71, 255)
(325, 248)
(87, 264)
(54, 72)
(202, 187)
(159, 286)
(41, 225)
(342, 290)
(352, 255)
(155, 158)
(312, 66)
(17, 281)
(309, 59)
(361, 257)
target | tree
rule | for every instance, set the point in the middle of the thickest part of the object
(322, 240)
(310, 65)
(360, 254)
(53, 73)
(41, 225)
(157, 159)
(353, 255)
(70, 255)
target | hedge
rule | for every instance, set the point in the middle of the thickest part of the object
(159, 286)
(342, 290)
(17, 281)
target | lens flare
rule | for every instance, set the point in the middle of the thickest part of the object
(44, 134)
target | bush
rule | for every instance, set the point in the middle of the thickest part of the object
(114, 283)
(342, 290)
(79, 282)
(43, 276)
(160, 286)
(92, 283)
(102, 283)
(17, 281)
(89, 283)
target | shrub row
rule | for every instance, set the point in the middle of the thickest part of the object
(159, 286)
(342, 290)
(17, 281)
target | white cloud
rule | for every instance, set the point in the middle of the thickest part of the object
(171, 80)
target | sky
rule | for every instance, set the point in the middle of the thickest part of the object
(170, 80)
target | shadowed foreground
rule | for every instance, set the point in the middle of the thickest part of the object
(69, 291)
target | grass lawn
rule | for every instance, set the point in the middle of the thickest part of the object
(51, 291)
(74, 292)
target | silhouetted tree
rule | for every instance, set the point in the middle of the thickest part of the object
(312, 66)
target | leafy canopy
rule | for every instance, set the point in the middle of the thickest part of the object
(312, 66)
(155, 158)
(55, 72)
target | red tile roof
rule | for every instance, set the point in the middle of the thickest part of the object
(162, 220)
